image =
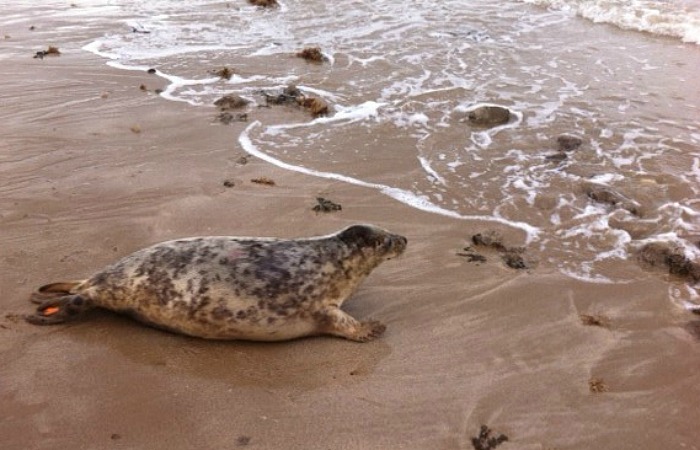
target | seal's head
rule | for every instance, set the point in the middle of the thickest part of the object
(373, 242)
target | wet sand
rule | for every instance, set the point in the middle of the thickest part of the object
(467, 344)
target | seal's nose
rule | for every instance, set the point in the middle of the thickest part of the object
(401, 242)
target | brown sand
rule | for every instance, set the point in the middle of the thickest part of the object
(467, 345)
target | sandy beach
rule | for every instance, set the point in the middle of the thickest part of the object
(92, 168)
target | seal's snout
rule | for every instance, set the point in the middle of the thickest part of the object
(402, 242)
(396, 245)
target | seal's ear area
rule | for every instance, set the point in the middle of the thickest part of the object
(361, 236)
(59, 310)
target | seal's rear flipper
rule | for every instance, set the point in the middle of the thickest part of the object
(53, 290)
(59, 310)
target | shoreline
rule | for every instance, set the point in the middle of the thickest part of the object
(468, 344)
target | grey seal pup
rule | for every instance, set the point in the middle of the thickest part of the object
(224, 287)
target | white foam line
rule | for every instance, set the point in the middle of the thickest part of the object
(175, 81)
(596, 279)
(426, 166)
(95, 47)
(403, 196)
(349, 114)
(325, 94)
(691, 307)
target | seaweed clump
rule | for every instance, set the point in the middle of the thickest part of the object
(50, 51)
(226, 117)
(228, 102)
(513, 257)
(485, 441)
(595, 320)
(263, 180)
(315, 106)
(225, 72)
(472, 255)
(312, 54)
(597, 385)
(603, 194)
(291, 95)
(264, 3)
(326, 206)
(670, 256)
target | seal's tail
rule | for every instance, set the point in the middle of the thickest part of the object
(59, 309)
(54, 290)
(58, 303)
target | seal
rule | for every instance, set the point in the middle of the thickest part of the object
(224, 287)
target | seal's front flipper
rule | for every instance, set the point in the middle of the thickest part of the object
(338, 323)
(59, 310)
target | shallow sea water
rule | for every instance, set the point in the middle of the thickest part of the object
(401, 77)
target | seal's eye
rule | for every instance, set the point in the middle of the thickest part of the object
(387, 242)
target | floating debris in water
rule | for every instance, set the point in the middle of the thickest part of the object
(325, 205)
(229, 183)
(487, 442)
(151, 71)
(143, 87)
(135, 129)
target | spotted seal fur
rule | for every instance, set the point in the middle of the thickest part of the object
(222, 287)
